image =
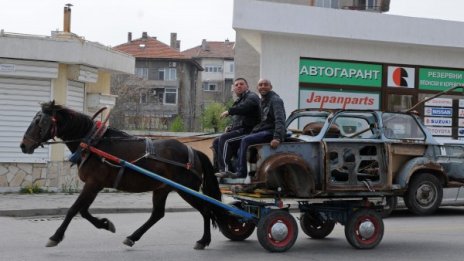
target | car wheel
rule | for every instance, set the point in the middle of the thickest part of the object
(424, 194)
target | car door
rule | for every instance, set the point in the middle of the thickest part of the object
(355, 154)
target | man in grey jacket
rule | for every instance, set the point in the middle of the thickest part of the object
(245, 115)
(270, 129)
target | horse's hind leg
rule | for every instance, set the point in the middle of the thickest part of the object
(86, 198)
(159, 203)
(204, 209)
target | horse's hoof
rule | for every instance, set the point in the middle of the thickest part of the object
(128, 242)
(109, 225)
(52, 243)
(199, 246)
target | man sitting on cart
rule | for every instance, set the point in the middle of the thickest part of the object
(271, 128)
(245, 115)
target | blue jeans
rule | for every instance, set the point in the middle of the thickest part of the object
(225, 146)
(251, 139)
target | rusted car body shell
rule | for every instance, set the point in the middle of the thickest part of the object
(323, 164)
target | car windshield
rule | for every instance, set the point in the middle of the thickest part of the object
(307, 123)
(355, 124)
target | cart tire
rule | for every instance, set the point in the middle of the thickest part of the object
(277, 231)
(424, 194)
(314, 227)
(364, 229)
(235, 229)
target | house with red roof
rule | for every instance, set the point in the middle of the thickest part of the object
(163, 87)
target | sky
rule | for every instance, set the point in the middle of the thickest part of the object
(109, 21)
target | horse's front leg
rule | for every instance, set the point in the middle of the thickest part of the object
(84, 200)
(159, 202)
(101, 223)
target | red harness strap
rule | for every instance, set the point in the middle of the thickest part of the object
(101, 153)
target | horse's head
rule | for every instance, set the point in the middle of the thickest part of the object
(42, 128)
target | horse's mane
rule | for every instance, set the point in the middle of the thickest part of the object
(51, 107)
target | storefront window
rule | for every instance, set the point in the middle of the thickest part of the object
(398, 102)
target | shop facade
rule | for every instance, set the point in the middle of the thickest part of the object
(342, 59)
(335, 84)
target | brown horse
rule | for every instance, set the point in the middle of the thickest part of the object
(168, 158)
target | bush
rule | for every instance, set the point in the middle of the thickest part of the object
(31, 189)
(177, 125)
(211, 117)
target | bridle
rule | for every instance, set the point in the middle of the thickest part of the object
(47, 124)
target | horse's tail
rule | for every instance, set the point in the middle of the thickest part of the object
(211, 187)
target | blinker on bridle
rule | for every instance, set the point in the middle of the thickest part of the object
(47, 123)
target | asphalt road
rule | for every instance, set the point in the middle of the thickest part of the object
(407, 237)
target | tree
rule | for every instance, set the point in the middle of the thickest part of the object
(211, 117)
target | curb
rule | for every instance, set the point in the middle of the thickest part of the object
(63, 211)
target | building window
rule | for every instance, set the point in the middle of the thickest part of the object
(167, 74)
(210, 86)
(328, 3)
(368, 4)
(213, 68)
(231, 67)
(142, 73)
(170, 96)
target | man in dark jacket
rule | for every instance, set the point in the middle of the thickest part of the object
(270, 129)
(245, 115)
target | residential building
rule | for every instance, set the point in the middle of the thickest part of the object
(164, 86)
(33, 69)
(217, 59)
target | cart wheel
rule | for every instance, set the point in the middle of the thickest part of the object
(234, 229)
(364, 229)
(315, 227)
(277, 231)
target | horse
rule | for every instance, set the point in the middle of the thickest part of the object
(168, 158)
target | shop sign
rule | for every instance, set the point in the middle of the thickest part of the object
(439, 79)
(339, 100)
(341, 73)
(6, 67)
(440, 131)
(440, 102)
(436, 121)
(402, 77)
(432, 111)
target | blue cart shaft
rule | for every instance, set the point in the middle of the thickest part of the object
(192, 192)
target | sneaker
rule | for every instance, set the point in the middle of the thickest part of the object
(223, 174)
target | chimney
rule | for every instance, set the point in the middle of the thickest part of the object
(227, 41)
(178, 45)
(144, 35)
(204, 45)
(67, 18)
(129, 37)
(173, 43)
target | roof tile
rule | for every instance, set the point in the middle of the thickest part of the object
(151, 48)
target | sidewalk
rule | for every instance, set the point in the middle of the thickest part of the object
(28, 205)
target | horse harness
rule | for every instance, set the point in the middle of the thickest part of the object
(150, 153)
